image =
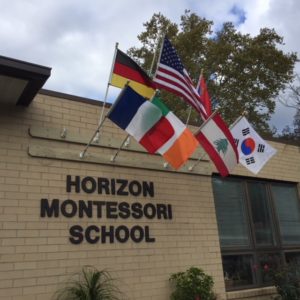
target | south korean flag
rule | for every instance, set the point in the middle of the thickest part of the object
(254, 152)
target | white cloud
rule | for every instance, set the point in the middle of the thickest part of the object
(284, 17)
(77, 38)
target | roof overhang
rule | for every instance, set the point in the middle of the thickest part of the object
(20, 81)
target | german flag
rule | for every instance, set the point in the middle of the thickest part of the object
(125, 69)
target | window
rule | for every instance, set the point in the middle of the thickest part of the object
(259, 228)
(238, 270)
(231, 213)
(261, 214)
(288, 211)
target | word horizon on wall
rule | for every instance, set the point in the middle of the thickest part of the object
(103, 185)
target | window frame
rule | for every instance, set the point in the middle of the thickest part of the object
(254, 248)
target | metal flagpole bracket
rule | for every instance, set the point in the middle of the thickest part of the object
(127, 142)
(245, 113)
(63, 133)
(191, 168)
(97, 137)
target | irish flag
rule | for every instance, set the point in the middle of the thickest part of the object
(156, 128)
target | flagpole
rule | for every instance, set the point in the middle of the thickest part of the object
(160, 50)
(200, 77)
(208, 119)
(197, 88)
(191, 168)
(97, 135)
(188, 117)
(155, 52)
(200, 127)
(113, 158)
(244, 113)
(81, 155)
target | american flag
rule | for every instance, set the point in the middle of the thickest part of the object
(173, 77)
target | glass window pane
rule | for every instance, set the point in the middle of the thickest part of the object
(237, 270)
(230, 210)
(293, 261)
(293, 258)
(261, 214)
(268, 262)
(288, 211)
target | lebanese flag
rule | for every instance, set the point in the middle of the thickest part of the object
(216, 139)
(156, 128)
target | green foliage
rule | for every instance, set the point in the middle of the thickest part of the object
(89, 284)
(191, 284)
(249, 72)
(287, 282)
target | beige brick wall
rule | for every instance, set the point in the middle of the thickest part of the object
(36, 255)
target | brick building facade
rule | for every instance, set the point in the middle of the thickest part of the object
(134, 217)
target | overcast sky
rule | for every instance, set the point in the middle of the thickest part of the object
(76, 38)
